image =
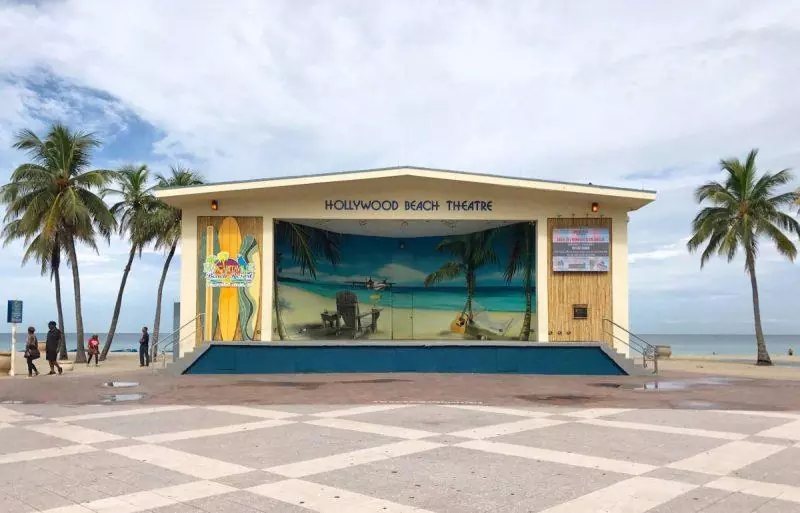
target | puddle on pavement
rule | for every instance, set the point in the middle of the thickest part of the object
(375, 381)
(556, 399)
(698, 405)
(671, 385)
(121, 398)
(121, 384)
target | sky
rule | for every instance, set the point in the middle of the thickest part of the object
(626, 93)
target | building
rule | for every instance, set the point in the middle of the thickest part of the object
(403, 254)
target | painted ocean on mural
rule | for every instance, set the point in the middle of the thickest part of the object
(493, 299)
(476, 285)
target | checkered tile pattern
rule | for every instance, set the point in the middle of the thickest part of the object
(396, 458)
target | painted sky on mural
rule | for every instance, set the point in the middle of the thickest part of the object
(363, 257)
(617, 92)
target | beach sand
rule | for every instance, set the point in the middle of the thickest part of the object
(116, 363)
(302, 309)
(731, 365)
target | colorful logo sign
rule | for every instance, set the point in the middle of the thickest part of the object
(223, 271)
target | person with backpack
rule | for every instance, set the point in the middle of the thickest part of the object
(94, 350)
(32, 352)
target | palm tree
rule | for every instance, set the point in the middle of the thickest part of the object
(744, 209)
(134, 212)
(306, 244)
(47, 252)
(522, 260)
(57, 188)
(471, 252)
(166, 227)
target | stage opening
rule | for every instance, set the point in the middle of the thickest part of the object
(404, 280)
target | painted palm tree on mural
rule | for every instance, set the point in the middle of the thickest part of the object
(166, 225)
(522, 260)
(470, 252)
(58, 190)
(47, 252)
(306, 245)
(744, 209)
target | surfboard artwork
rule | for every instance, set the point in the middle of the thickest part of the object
(248, 296)
(229, 286)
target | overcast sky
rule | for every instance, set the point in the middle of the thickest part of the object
(629, 93)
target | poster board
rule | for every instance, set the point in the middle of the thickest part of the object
(581, 250)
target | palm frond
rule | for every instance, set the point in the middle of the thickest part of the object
(448, 271)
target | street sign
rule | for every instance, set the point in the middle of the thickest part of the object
(14, 311)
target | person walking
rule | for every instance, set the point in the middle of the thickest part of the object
(144, 348)
(32, 352)
(94, 350)
(51, 347)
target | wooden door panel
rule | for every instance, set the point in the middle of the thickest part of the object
(566, 289)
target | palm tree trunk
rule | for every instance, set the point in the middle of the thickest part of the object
(276, 301)
(80, 354)
(470, 293)
(62, 345)
(164, 271)
(525, 333)
(118, 305)
(763, 356)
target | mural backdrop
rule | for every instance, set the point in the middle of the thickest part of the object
(229, 278)
(475, 286)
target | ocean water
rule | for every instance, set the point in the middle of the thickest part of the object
(682, 345)
(493, 299)
(123, 342)
(733, 345)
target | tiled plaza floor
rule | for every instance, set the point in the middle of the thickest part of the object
(396, 458)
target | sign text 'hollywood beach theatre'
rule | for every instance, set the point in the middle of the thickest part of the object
(422, 205)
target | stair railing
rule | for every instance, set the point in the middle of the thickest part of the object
(173, 339)
(635, 343)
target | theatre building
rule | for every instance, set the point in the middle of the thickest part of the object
(404, 269)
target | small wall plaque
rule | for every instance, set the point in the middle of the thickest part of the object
(580, 311)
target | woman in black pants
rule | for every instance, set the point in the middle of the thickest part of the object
(32, 352)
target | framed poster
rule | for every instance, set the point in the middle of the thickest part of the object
(581, 250)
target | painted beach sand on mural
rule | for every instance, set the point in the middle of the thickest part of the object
(301, 311)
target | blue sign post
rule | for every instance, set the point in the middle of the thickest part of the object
(14, 317)
(14, 311)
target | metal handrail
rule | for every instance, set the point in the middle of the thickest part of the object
(164, 353)
(171, 343)
(638, 344)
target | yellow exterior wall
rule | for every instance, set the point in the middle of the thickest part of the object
(307, 202)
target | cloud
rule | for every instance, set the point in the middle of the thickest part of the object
(662, 253)
(618, 93)
(402, 274)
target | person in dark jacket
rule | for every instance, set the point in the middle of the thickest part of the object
(32, 352)
(51, 348)
(144, 348)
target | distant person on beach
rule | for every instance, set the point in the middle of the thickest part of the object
(32, 352)
(94, 350)
(51, 348)
(790, 352)
(144, 348)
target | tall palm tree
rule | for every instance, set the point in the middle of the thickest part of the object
(742, 210)
(133, 211)
(471, 252)
(58, 188)
(522, 260)
(306, 244)
(47, 252)
(166, 226)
